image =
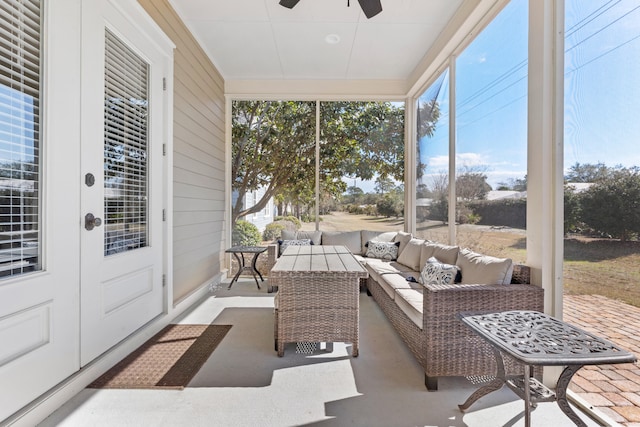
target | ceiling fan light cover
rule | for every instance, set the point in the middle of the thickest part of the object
(370, 7)
(289, 3)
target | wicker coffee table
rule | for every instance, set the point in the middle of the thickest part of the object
(318, 296)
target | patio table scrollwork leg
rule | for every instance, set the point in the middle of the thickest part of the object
(561, 393)
(495, 384)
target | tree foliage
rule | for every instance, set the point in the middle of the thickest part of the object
(471, 184)
(273, 147)
(427, 116)
(588, 172)
(612, 204)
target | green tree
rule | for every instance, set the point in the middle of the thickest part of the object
(612, 204)
(354, 194)
(513, 184)
(384, 185)
(273, 147)
(471, 184)
(390, 204)
(572, 209)
(587, 172)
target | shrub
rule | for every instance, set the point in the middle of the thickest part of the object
(290, 218)
(273, 231)
(245, 234)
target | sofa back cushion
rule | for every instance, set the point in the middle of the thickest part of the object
(350, 239)
(403, 238)
(378, 236)
(484, 269)
(410, 256)
(443, 253)
(314, 236)
(284, 244)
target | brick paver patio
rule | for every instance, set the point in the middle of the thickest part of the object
(614, 390)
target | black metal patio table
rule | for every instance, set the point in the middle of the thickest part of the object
(536, 339)
(238, 252)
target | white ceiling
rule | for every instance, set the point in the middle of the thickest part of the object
(261, 40)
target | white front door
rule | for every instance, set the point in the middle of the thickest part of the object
(122, 178)
(39, 198)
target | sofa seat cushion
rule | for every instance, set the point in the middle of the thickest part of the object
(390, 278)
(484, 269)
(410, 301)
(349, 239)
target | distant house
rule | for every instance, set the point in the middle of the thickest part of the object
(579, 187)
(506, 194)
(261, 218)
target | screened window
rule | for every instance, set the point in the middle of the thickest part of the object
(125, 148)
(20, 58)
(432, 161)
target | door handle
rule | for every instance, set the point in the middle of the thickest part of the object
(91, 221)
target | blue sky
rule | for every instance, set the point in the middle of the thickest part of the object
(602, 92)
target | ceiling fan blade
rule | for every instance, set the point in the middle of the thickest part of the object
(289, 3)
(370, 7)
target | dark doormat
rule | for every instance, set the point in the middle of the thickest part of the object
(169, 359)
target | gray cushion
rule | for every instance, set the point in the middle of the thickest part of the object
(314, 236)
(443, 253)
(484, 269)
(300, 242)
(350, 239)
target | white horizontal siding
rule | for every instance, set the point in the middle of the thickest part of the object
(198, 156)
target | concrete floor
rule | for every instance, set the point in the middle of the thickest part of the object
(244, 383)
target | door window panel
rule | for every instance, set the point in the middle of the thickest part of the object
(125, 148)
(20, 58)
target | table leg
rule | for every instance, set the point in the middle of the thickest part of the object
(494, 385)
(240, 268)
(527, 396)
(561, 393)
(254, 270)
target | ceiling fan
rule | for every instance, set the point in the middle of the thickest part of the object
(370, 7)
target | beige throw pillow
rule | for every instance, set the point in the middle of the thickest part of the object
(410, 256)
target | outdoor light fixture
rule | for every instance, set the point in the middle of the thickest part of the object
(370, 7)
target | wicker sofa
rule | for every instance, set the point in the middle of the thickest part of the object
(425, 315)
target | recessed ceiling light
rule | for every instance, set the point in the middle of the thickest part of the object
(332, 39)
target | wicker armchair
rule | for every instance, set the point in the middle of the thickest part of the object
(445, 346)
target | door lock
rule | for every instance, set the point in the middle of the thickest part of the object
(91, 221)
